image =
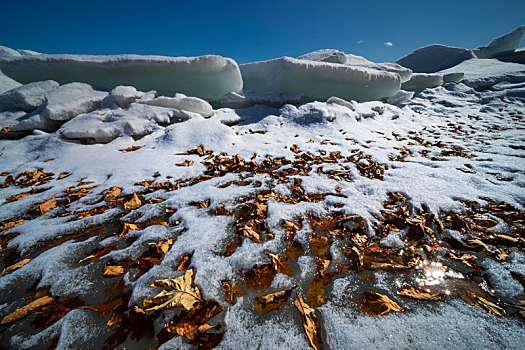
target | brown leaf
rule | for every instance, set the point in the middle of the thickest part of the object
(130, 149)
(260, 277)
(231, 292)
(113, 270)
(92, 212)
(97, 254)
(47, 205)
(249, 232)
(14, 267)
(365, 276)
(127, 228)
(178, 292)
(188, 321)
(133, 203)
(104, 310)
(377, 304)
(112, 192)
(281, 265)
(27, 309)
(186, 163)
(271, 302)
(419, 294)
(319, 245)
(518, 277)
(294, 250)
(315, 294)
(311, 324)
(11, 223)
(185, 261)
(322, 264)
(200, 204)
(63, 175)
(475, 296)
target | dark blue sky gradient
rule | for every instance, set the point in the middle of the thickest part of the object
(253, 30)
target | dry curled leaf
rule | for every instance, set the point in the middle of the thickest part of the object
(27, 309)
(249, 232)
(319, 245)
(112, 192)
(14, 267)
(47, 205)
(178, 292)
(294, 250)
(133, 203)
(311, 324)
(377, 304)
(113, 270)
(104, 310)
(231, 292)
(280, 264)
(200, 204)
(130, 149)
(271, 302)
(260, 277)
(185, 261)
(188, 321)
(419, 294)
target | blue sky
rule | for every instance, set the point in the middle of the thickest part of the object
(253, 30)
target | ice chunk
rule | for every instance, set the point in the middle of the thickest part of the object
(503, 45)
(7, 83)
(453, 77)
(336, 56)
(181, 101)
(319, 80)
(483, 74)
(121, 96)
(105, 125)
(235, 100)
(516, 57)
(339, 101)
(205, 76)
(63, 103)
(433, 58)
(401, 97)
(27, 97)
(421, 81)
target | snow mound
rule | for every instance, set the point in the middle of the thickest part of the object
(7, 83)
(421, 81)
(482, 74)
(63, 104)
(181, 101)
(339, 101)
(105, 125)
(503, 45)
(27, 97)
(205, 76)
(121, 96)
(433, 58)
(401, 97)
(235, 100)
(319, 80)
(336, 56)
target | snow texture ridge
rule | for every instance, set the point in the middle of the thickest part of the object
(205, 76)
(319, 80)
(433, 58)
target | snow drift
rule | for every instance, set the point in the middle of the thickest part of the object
(205, 76)
(319, 80)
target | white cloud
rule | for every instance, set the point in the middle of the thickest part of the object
(388, 43)
(360, 41)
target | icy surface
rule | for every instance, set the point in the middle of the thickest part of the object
(27, 97)
(181, 101)
(336, 56)
(121, 96)
(205, 76)
(421, 81)
(433, 58)
(502, 45)
(7, 83)
(319, 80)
(235, 100)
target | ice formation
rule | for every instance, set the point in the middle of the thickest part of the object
(421, 81)
(503, 45)
(27, 97)
(319, 80)
(181, 101)
(121, 96)
(336, 56)
(235, 100)
(7, 83)
(433, 58)
(205, 76)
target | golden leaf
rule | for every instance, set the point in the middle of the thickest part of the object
(377, 304)
(294, 250)
(315, 294)
(281, 265)
(231, 292)
(48, 205)
(133, 203)
(271, 302)
(249, 232)
(178, 292)
(188, 321)
(127, 228)
(14, 267)
(311, 324)
(113, 270)
(260, 277)
(417, 293)
(104, 310)
(112, 192)
(130, 149)
(26, 310)
(319, 246)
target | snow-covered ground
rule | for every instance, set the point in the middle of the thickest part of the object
(104, 192)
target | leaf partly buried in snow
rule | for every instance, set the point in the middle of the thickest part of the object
(188, 321)
(419, 294)
(27, 309)
(311, 324)
(319, 245)
(231, 292)
(281, 265)
(377, 304)
(314, 293)
(178, 292)
(271, 302)
(133, 203)
(113, 270)
(47, 205)
(260, 277)
(14, 267)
